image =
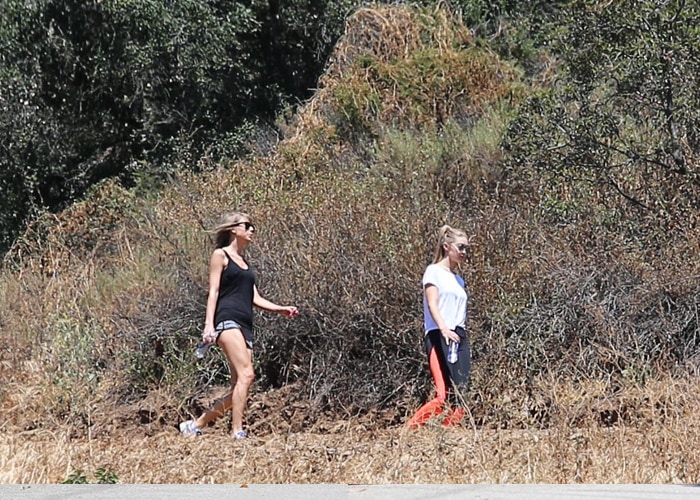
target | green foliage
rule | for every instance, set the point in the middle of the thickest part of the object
(140, 89)
(106, 476)
(77, 361)
(91, 86)
(295, 38)
(428, 73)
(157, 357)
(101, 475)
(76, 477)
(624, 114)
(357, 105)
(517, 30)
(453, 159)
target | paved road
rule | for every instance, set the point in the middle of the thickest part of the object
(351, 492)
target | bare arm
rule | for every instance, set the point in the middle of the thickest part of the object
(431, 296)
(216, 266)
(266, 305)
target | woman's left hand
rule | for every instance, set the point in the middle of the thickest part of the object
(289, 311)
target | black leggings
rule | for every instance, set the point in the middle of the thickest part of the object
(455, 376)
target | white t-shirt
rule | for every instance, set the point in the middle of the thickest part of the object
(452, 298)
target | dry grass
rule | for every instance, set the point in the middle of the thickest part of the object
(359, 451)
(654, 441)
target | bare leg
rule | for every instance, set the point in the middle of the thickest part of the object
(240, 362)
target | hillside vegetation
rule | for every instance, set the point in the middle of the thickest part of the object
(583, 276)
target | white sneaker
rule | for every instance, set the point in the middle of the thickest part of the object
(240, 435)
(188, 428)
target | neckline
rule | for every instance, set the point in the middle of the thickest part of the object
(447, 269)
(232, 260)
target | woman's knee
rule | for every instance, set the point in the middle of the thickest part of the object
(246, 377)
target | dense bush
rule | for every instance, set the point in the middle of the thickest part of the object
(611, 152)
(623, 115)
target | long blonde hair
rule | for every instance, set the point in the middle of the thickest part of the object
(222, 231)
(446, 234)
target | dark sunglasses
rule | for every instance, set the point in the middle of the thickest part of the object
(461, 248)
(248, 225)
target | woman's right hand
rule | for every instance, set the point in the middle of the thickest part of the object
(450, 336)
(209, 335)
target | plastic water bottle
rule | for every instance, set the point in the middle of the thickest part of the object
(202, 350)
(452, 351)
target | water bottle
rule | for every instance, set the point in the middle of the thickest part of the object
(202, 350)
(452, 351)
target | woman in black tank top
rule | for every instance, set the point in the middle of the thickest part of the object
(229, 318)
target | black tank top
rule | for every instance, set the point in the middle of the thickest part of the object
(235, 300)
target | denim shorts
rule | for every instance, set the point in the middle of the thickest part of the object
(229, 324)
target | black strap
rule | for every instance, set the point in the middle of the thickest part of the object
(227, 255)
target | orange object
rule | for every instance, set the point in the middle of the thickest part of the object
(435, 406)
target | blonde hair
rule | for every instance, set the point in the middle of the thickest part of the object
(446, 234)
(222, 231)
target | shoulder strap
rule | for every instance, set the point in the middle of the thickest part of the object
(231, 260)
(227, 256)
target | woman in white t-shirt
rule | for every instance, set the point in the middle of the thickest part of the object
(445, 314)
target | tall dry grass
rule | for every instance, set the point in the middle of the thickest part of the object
(660, 447)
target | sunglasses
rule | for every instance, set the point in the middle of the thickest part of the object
(461, 248)
(248, 225)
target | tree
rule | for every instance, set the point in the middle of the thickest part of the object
(296, 38)
(624, 112)
(93, 89)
